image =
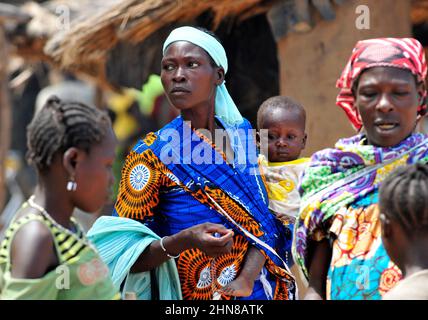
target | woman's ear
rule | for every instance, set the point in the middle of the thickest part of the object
(421, 88)
(421, 91)
(385, 226)
(70, 160)
(220, 76)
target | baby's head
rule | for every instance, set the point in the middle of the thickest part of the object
(285, 121)
(403, 204)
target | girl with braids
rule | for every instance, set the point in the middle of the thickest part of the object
(45, 254)
(337, 240)
(403, 202)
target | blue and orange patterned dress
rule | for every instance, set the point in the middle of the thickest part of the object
(175, 178)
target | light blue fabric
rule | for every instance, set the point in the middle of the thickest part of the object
(120, 241)
(225, 108)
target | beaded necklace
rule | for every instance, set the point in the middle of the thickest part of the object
(211, 143)
(45, 214)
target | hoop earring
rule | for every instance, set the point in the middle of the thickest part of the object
(71, 185)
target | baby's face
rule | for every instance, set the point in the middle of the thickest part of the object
(286, 134)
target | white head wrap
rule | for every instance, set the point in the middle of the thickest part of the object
(225, 108)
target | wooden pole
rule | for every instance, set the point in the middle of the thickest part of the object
(5, 116)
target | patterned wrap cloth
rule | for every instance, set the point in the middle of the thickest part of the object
(340, 187)
(339, 196)
(163, 187)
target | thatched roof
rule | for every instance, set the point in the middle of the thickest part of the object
(134, 20)
(98, 27)
(104, 23)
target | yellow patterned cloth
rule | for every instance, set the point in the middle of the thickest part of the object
(282, 181)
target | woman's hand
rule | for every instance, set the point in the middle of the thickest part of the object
(212, 239)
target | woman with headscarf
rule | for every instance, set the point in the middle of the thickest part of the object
(205, 198)
(337, 240)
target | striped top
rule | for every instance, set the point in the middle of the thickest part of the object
(81, 274)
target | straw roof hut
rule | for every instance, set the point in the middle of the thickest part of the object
(81, 36)
(117, 43)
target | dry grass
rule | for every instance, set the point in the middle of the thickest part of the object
(134, 20)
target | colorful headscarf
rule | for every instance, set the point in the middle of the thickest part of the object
(404, 53)
(225, 108)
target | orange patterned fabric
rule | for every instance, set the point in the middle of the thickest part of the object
(236, 212)
(360, 267)
(142, 176)
(201, 275)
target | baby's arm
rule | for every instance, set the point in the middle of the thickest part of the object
(254, 261)
(243, 285)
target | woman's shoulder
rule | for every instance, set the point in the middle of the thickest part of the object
(341, 147)
(151, 139)
(413, 287)
(144, 143)
(245, 124)
(32, 248)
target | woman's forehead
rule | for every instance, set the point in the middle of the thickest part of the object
(385, 74)
(184, 49)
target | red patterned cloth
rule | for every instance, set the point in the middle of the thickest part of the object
(404, 53)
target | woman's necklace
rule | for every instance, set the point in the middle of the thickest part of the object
(43, 211)
(222, 151)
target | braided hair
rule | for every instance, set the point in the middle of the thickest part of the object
(60, 125)
(403, 197)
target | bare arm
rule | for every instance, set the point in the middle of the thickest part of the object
(320, 257)
(200, 236)
(254, 261)
(154, 255)
(32, 251)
